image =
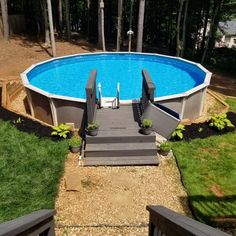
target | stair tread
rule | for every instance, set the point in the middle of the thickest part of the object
(119, 146)
(120, 133)
(116, 158)
(89, 162)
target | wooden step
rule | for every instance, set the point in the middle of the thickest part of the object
(122, 161)
(120, 149)
(121, 136)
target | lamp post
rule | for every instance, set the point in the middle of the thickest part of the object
(130, 33)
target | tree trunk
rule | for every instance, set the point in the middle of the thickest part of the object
(99, 26)
(205, 26)
(212, 26)
(140, 25)
(102, 25)
(130, 25)
(184, 28)
(178, 43)
(51, 28)
(88, 18)
(60, 15)
(5, 19)
(119, 25)
(46, 25)
(68, 19)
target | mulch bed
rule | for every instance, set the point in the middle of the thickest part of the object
(25, 124)
(202, 130)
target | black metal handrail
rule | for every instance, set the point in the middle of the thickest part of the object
(163, 221)
(91, 97)
(37, 223)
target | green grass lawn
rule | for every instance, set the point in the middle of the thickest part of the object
(232, 104)
(208, 170)
(30, 169)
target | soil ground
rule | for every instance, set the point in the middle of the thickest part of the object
(110, 201)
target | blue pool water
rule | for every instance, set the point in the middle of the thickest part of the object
(68, 76)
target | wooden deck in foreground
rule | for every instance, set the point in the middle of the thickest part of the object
(118, 141)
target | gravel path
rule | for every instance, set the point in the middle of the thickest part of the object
(112, 200)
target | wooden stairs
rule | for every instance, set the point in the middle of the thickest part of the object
(10, 89)
(118, 141)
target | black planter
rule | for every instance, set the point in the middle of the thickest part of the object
(164, 153)
(93, 132)
(75, 149)
(146, 131)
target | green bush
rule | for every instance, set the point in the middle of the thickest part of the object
(220, 121)
(75, 141)
(61, 130)
(147, 123)
(178, 133)
(165, 146)
(92, 126)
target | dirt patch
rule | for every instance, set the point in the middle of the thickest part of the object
(21, 52)
(223, 84)
(217, 191)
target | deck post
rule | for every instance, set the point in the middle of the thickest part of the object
(91, 97)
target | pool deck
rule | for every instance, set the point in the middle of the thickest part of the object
(119, 141)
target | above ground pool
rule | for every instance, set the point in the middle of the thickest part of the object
(68, 76)
(56, 88)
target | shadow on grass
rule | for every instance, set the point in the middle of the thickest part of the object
(213, 210)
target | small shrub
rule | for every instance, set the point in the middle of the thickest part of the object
(61, 131)
(75, 142)
(165, 146)
(18, 121)
(200, 130)
(147, 123)
(178, 133)
(92, 126)
(220, 122)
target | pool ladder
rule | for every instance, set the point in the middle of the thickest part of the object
(106, 102)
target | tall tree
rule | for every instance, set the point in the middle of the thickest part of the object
(140, 25)
(46, 25)
(101, 31)
(178, 42)
(213, 26)
(130, 32)
(51, 28)
(99, 26)
(206, 18)
(67, 4)
(88, 18)
(60, 14)
(184, 28)
(5, 19)
(119, 24)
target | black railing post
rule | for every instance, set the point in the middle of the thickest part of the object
(148, 89)
(91, 97)
(148, 86)
(163, 221)
(37, 223)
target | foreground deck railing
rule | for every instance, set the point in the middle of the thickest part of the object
(37, 223)
(163, 221)
(91, 97)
